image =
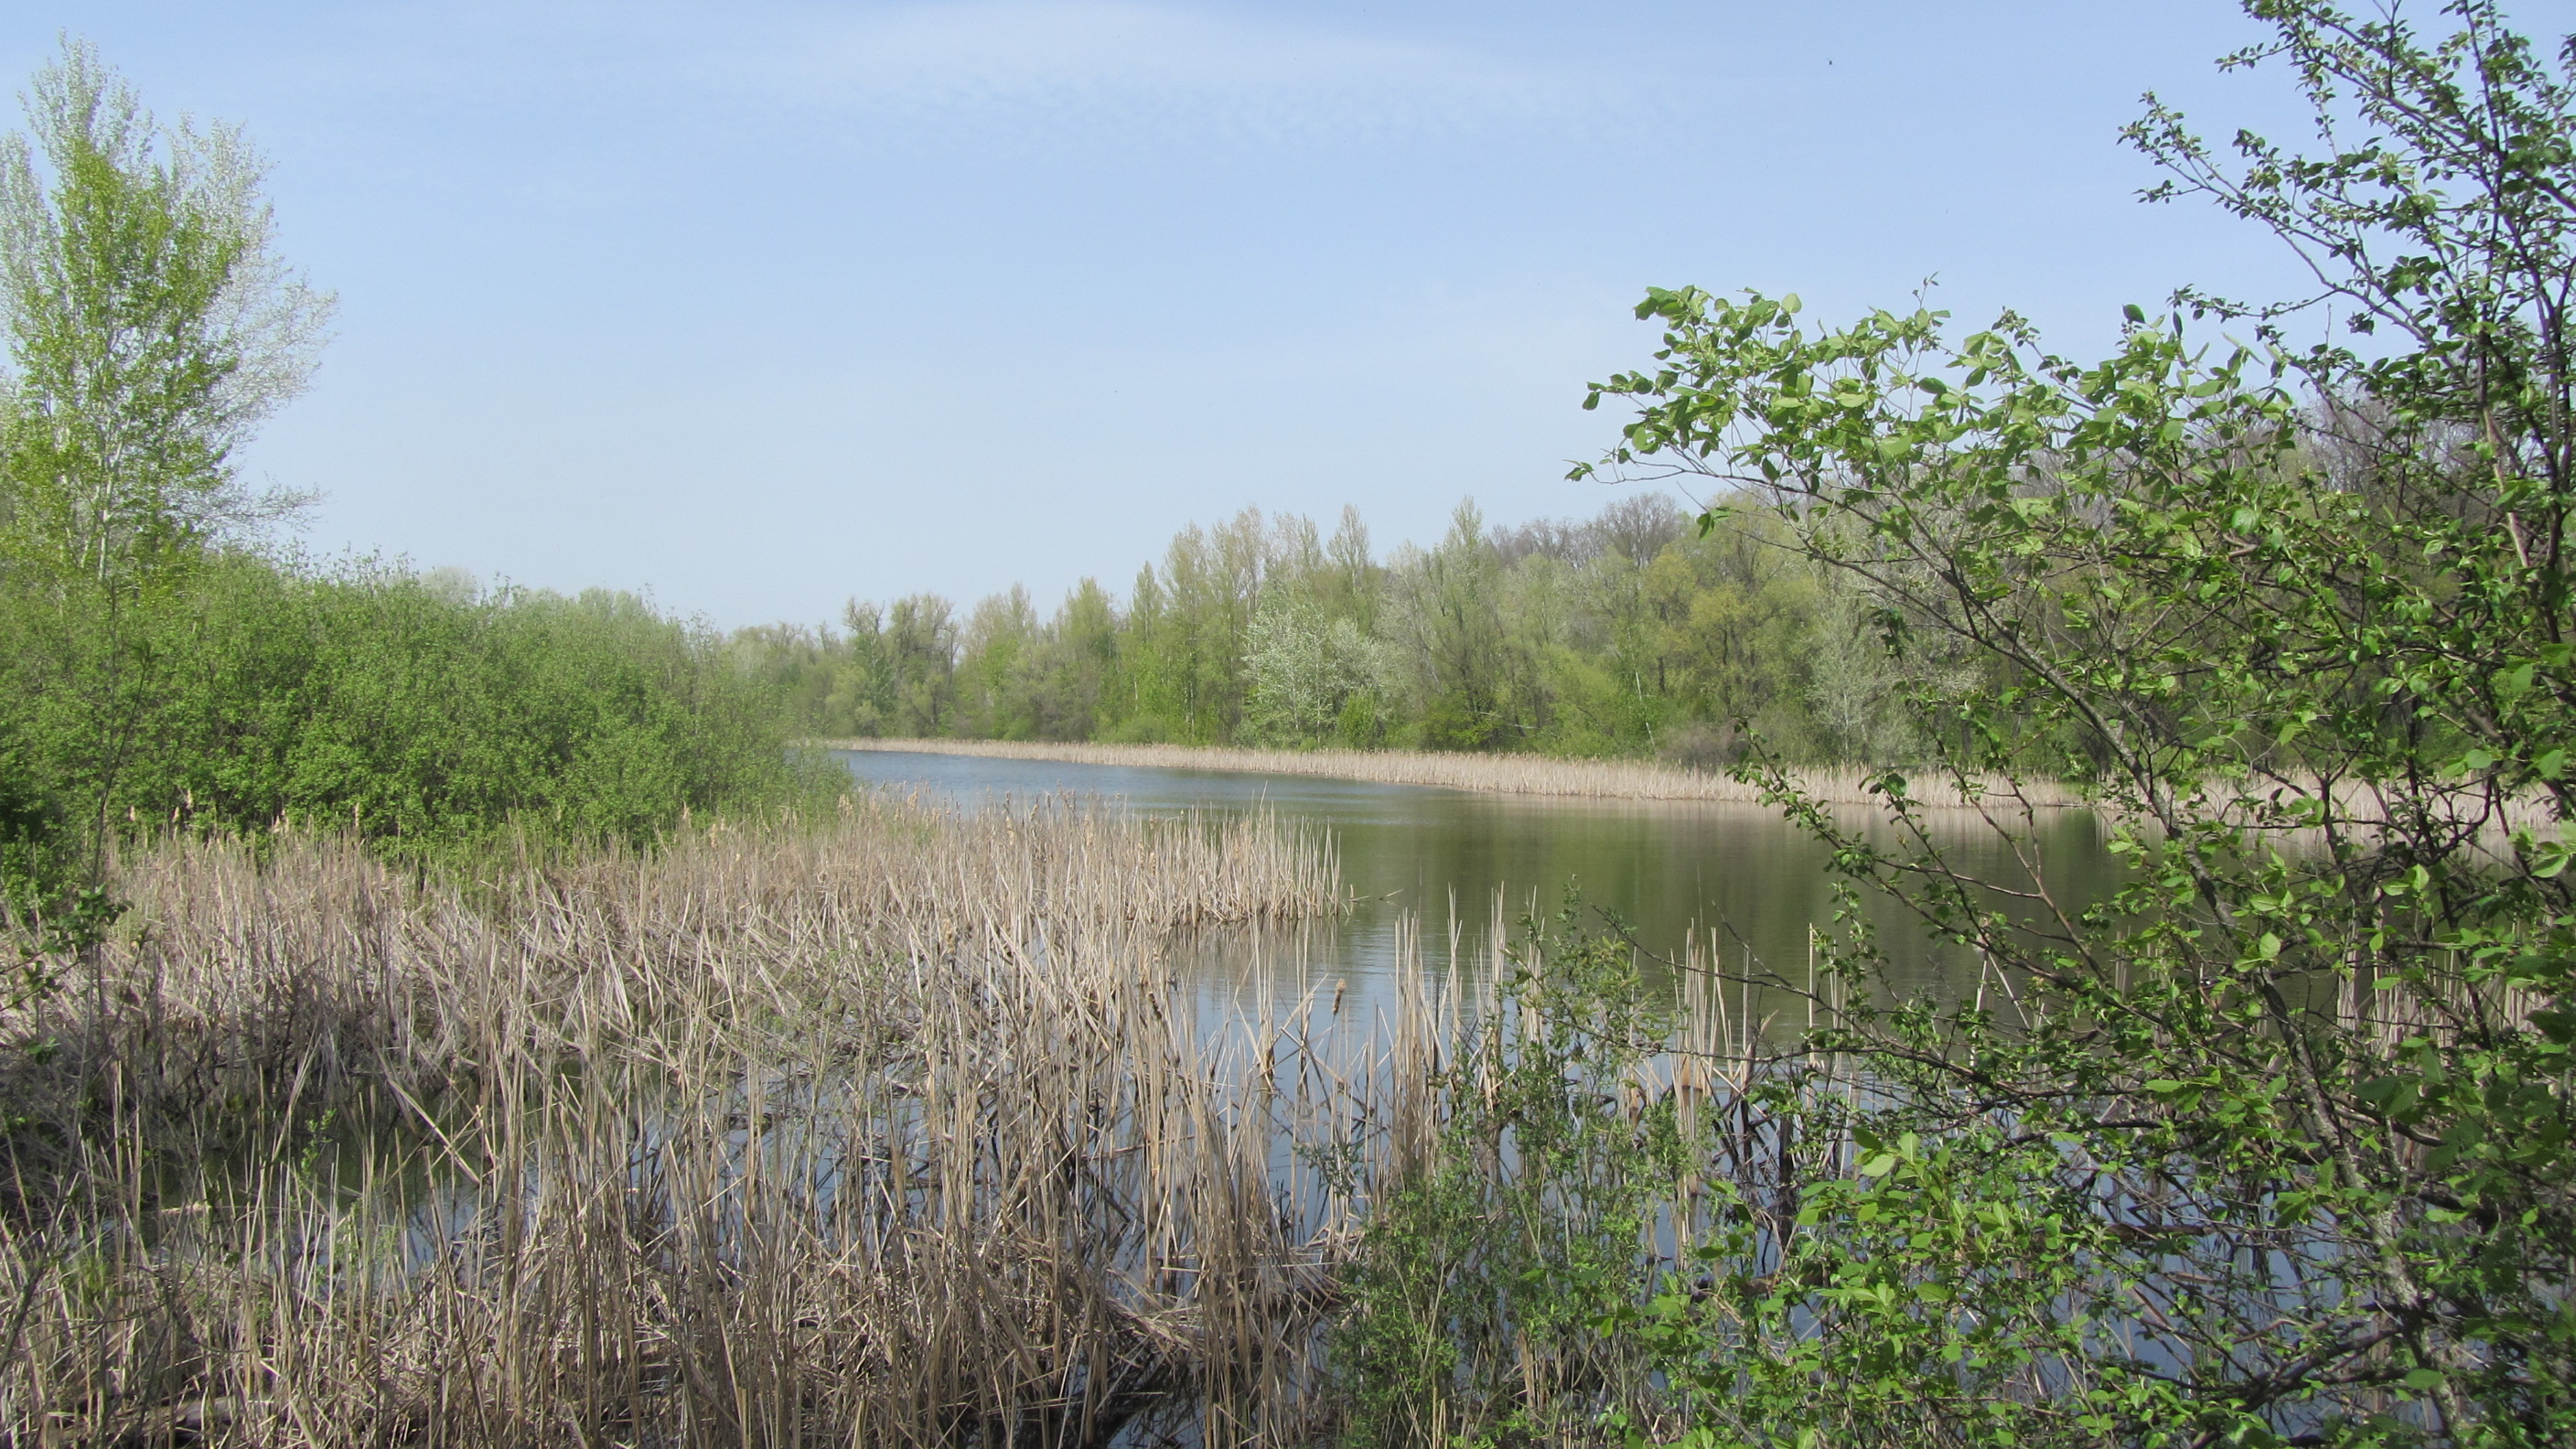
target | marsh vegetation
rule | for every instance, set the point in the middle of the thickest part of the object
(450, 1017)
(884, 1127)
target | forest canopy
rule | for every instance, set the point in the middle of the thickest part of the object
(1633, 632)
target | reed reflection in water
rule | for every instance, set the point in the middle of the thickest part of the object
(1676, 873)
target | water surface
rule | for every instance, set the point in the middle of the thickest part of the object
(1744, 881)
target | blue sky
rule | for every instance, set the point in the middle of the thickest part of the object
(758, 306)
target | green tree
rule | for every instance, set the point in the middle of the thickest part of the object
(1313, 678)
(1443, 614)
(993, 668)
(1738, 611)
(149, 327)
(1073, 668)
(915, 659)
(2274, 1146)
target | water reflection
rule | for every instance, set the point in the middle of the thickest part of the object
(1667, 868)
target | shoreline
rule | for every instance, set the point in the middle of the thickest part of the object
(1486, 774)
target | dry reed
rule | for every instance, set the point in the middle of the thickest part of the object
(1491, 774)
(891, 1130)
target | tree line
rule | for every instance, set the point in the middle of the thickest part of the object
(1634, 632)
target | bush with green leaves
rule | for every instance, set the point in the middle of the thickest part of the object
(155, 672)
(1496, 1247)
(146, 327)
(367, 700)
(2274, 1146)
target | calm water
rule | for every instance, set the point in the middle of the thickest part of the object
(1666, 868)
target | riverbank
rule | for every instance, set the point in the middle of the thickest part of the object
(1491, 774)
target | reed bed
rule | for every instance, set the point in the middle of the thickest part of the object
(1491, 774)
(894, 1128)
(888, 1129)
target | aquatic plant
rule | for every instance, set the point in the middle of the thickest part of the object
(884, 1128)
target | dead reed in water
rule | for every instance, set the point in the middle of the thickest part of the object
(883, 1131)
(1493, 774)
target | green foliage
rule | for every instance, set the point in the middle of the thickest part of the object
(2274, 1146)
(154, 674)
(1313, 680)
(1959, 1288)
(33, 869)
(1623, 635)
(370, 701)
(1488, 1264)
(149, 329)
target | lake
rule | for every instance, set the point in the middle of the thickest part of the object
(1668, 869)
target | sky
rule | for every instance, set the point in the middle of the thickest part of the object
(757, 307)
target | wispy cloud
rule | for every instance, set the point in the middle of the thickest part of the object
(1032, 67)
(964, 52)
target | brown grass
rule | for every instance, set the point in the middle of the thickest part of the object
(891, 1130)
(1495, 774)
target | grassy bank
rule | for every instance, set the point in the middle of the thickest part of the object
(887, 1129)
(1496, 774)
